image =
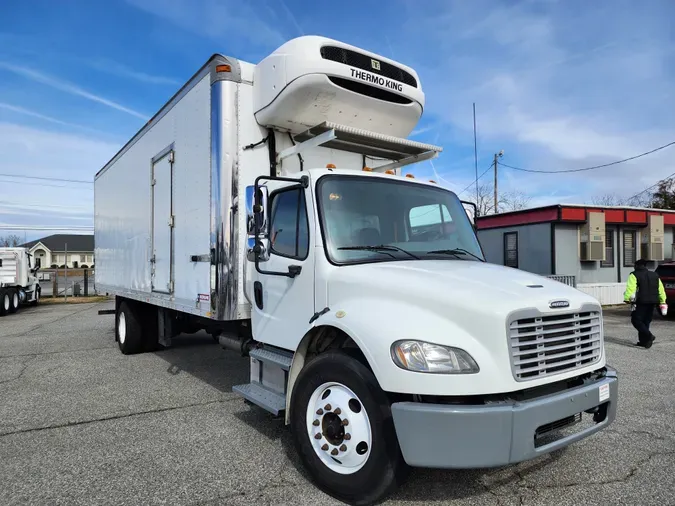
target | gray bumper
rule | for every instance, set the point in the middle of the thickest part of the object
(455, 436)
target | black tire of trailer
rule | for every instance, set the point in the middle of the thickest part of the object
(13, 300)
(385, 470)
(133, 335)
(4, 302)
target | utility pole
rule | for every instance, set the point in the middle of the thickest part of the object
(496, 201)
(65, 293)
(497, 156)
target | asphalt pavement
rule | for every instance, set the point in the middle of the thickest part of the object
(80, 423)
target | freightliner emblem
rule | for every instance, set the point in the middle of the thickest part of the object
(556, 304)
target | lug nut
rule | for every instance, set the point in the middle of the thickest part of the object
(343, 448)
(345, 422)
(337, 411)
(316, 423)
(327, 407)
(317, 435)
(348, 437)
(319, 412)
(334, 452)
(324, 447)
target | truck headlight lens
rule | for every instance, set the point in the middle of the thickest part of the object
(420, 356)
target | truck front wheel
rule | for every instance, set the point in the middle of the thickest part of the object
(343, 430)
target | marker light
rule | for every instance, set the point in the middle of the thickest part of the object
(367, 169)
(330, 166)
(390, 171)
(420, 356)
(223, 68)
(432, 181)
(410, 176)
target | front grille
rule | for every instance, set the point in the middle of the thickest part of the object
(553, 344)
(364, 62)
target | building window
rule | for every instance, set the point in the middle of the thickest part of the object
(629, 250)
(609, 250)
(511, 249)
(289, 224)
(83, 258)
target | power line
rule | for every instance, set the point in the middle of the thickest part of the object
(564, 171)
(48, 178)
(653, 186)
(32, 183)
(47, 227)
(479, 177)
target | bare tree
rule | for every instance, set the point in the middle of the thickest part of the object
(612, 199)
(508, 201)
(514, 201)
(10, 241)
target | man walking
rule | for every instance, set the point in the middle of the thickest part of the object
(644, 287)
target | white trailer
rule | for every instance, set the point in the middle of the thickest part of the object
(18, 279)
(266, 205)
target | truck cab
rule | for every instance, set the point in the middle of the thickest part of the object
(18, 279)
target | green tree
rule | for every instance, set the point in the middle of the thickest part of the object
(664, 195)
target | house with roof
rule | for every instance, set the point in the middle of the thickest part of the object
(595, 246)
(51, 251)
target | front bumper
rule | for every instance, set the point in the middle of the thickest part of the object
(455, 436)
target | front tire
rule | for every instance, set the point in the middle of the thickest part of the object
(343, 430)
(36, 296)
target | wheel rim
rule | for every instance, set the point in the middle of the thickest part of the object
(122, 328)
(5, 301)
(15, 299)
(339, 428)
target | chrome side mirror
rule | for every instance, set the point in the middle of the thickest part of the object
(256, 215)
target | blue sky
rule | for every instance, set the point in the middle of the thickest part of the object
(557, 84)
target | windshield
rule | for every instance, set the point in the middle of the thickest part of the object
(368, 219)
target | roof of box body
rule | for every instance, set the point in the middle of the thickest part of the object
(573, 213)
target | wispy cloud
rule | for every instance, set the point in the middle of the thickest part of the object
(44, 117)
(218, 19)
(67, 87)
(120, 70)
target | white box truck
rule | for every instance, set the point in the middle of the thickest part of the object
(266, 205)
(18, 279)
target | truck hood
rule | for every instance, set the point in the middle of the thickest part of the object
(456, 283)
(459, 303)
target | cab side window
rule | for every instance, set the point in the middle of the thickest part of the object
(289, 226)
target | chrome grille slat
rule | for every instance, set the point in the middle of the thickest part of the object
(541, 357)
(556, 339)
(552, 344)
(556, 330)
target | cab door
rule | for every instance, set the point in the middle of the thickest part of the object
(283, 281)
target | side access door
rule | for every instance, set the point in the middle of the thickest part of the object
(283, 277)
(162, 222)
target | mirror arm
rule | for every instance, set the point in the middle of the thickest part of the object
(293, 270)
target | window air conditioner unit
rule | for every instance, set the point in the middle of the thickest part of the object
(653, 241)
(592, 246)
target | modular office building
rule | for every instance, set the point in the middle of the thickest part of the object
(595, 248)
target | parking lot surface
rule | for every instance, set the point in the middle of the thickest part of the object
(80, 423)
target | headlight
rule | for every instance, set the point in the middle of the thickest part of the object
(420, 356)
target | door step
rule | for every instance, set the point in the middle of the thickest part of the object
(260, 396)
(273, 357)
(269, 379)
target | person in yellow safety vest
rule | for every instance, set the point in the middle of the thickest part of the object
(645, 290)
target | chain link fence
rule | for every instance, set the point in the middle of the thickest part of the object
(70, 282)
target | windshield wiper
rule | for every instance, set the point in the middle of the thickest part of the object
(380, 249)
(456, 252)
